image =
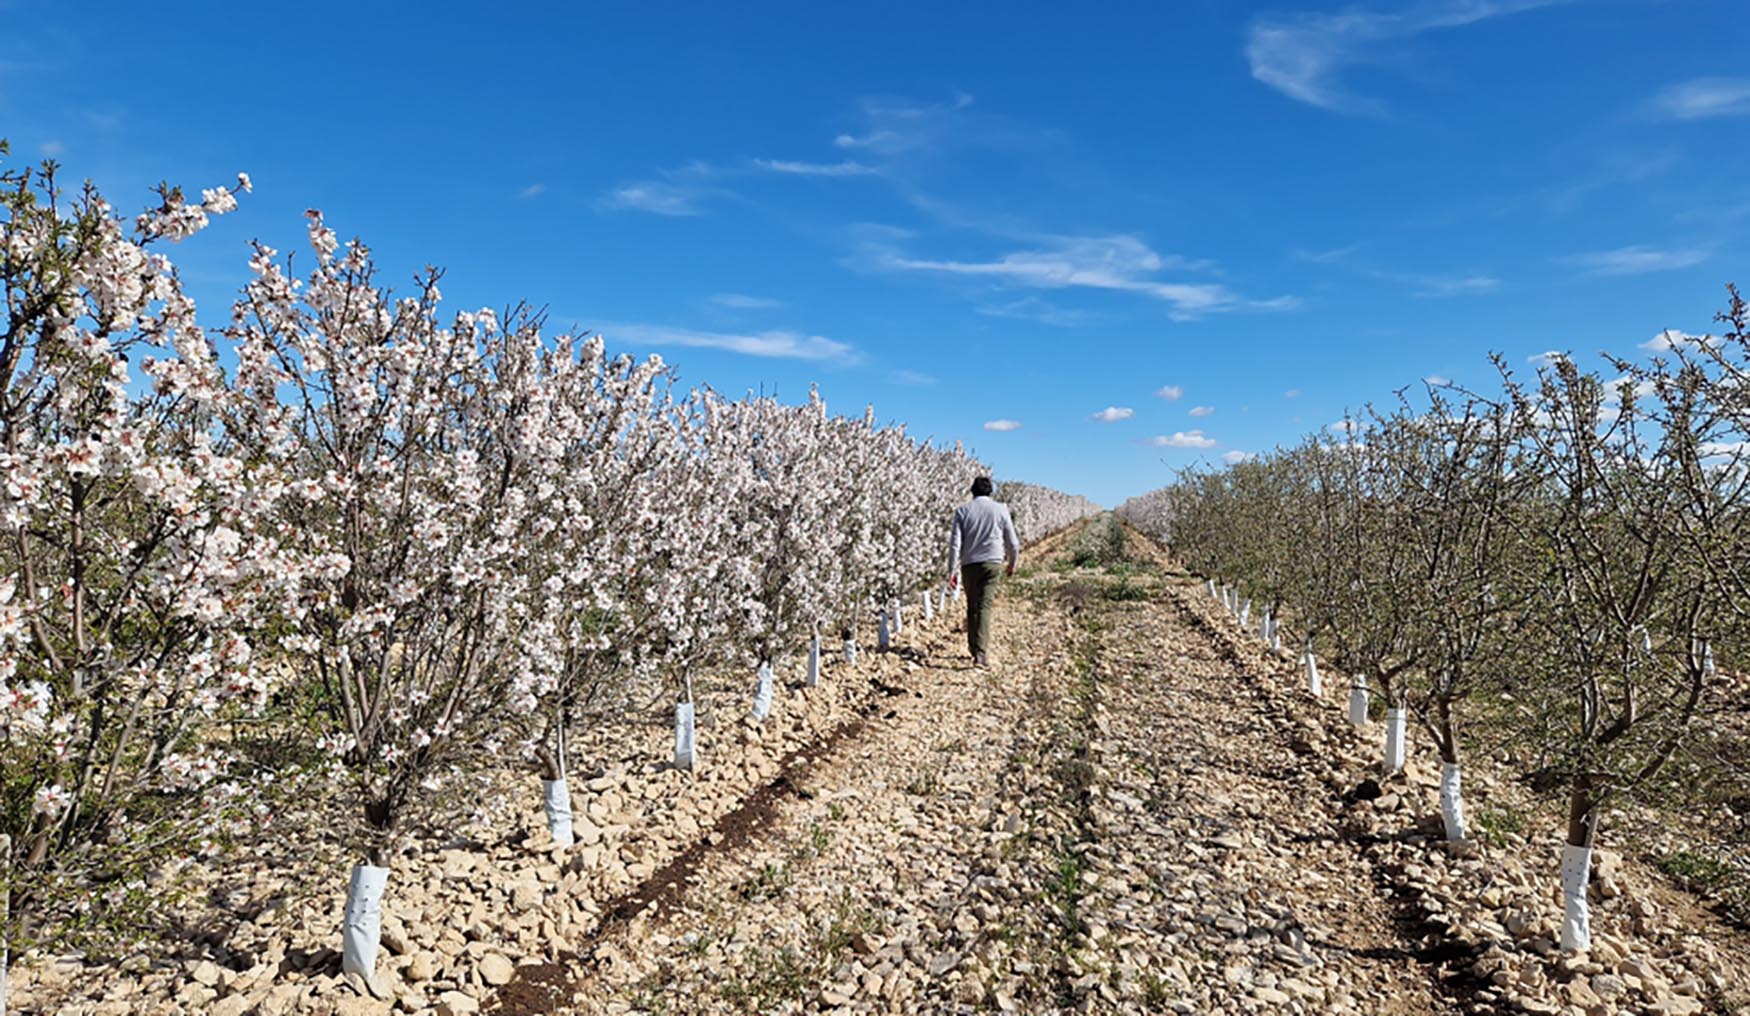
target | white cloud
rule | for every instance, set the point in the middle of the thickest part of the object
(1636, 260)
(1671, 338)
(1703, 97)
(654, 196)
(1182, 439)
(1292, 393)
(741, 301)
(1303, 56)
(1170, 392)
(1202, 411)
(912, 377)
(53, 149)
(846, 168)
(1547, 357)
(784, 345)
(1112, 414)
(1437, 381)
(1117, 262)
(1345, 428)
(531, 190)
(1234, 458)
(1001, 426)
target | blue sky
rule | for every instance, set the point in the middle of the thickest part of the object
(1135, 235)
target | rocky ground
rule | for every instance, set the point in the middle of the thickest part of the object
(1137, 808)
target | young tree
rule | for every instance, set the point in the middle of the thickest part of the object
(139, 564)
(1617, 616)
(407, 508)
(1463, 487)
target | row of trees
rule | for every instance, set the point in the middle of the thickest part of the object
(412, 541)
(1039, 511)
(1550, 569)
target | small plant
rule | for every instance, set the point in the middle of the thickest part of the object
(818, 838)
(770, 882)
(1156, 991)
(1494, 825)
(925, 783)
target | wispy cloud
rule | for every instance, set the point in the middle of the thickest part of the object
(1031, 308)
(1182, 439)
(846, 168)
(1112, 414)
(1234, 458)
(655, 197)
(1450, 285)
(1637, 260)
(53, 148)
(1326, 257)
(777, 344)
(674, 192)
(911, 377)
(1437, 381)
(1170, 392)
(1201, 411)
(532, 190)
(1702, 98)
(741, 301)
(1121, 263)
(1303, 56)
(1547, 358)
(897, 126)
(1002, 426)
(1292, 393)
(1345, 427)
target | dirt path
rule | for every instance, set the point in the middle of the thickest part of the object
(1115, 817)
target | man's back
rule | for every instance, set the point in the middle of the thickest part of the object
(983, 532)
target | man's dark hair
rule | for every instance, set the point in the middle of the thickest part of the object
(981, 487)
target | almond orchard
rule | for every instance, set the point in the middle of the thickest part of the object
(361, 655)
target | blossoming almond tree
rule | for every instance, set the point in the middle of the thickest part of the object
(137, 563)
(403, 432)
(600, 457)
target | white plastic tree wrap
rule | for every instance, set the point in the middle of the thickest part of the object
(1396, 743)
(140, 567)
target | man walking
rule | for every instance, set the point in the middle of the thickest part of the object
(982, 538)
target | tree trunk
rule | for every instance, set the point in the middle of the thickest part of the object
(1451, 781)
(1577, 864)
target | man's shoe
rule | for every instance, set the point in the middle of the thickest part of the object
(980, 660)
